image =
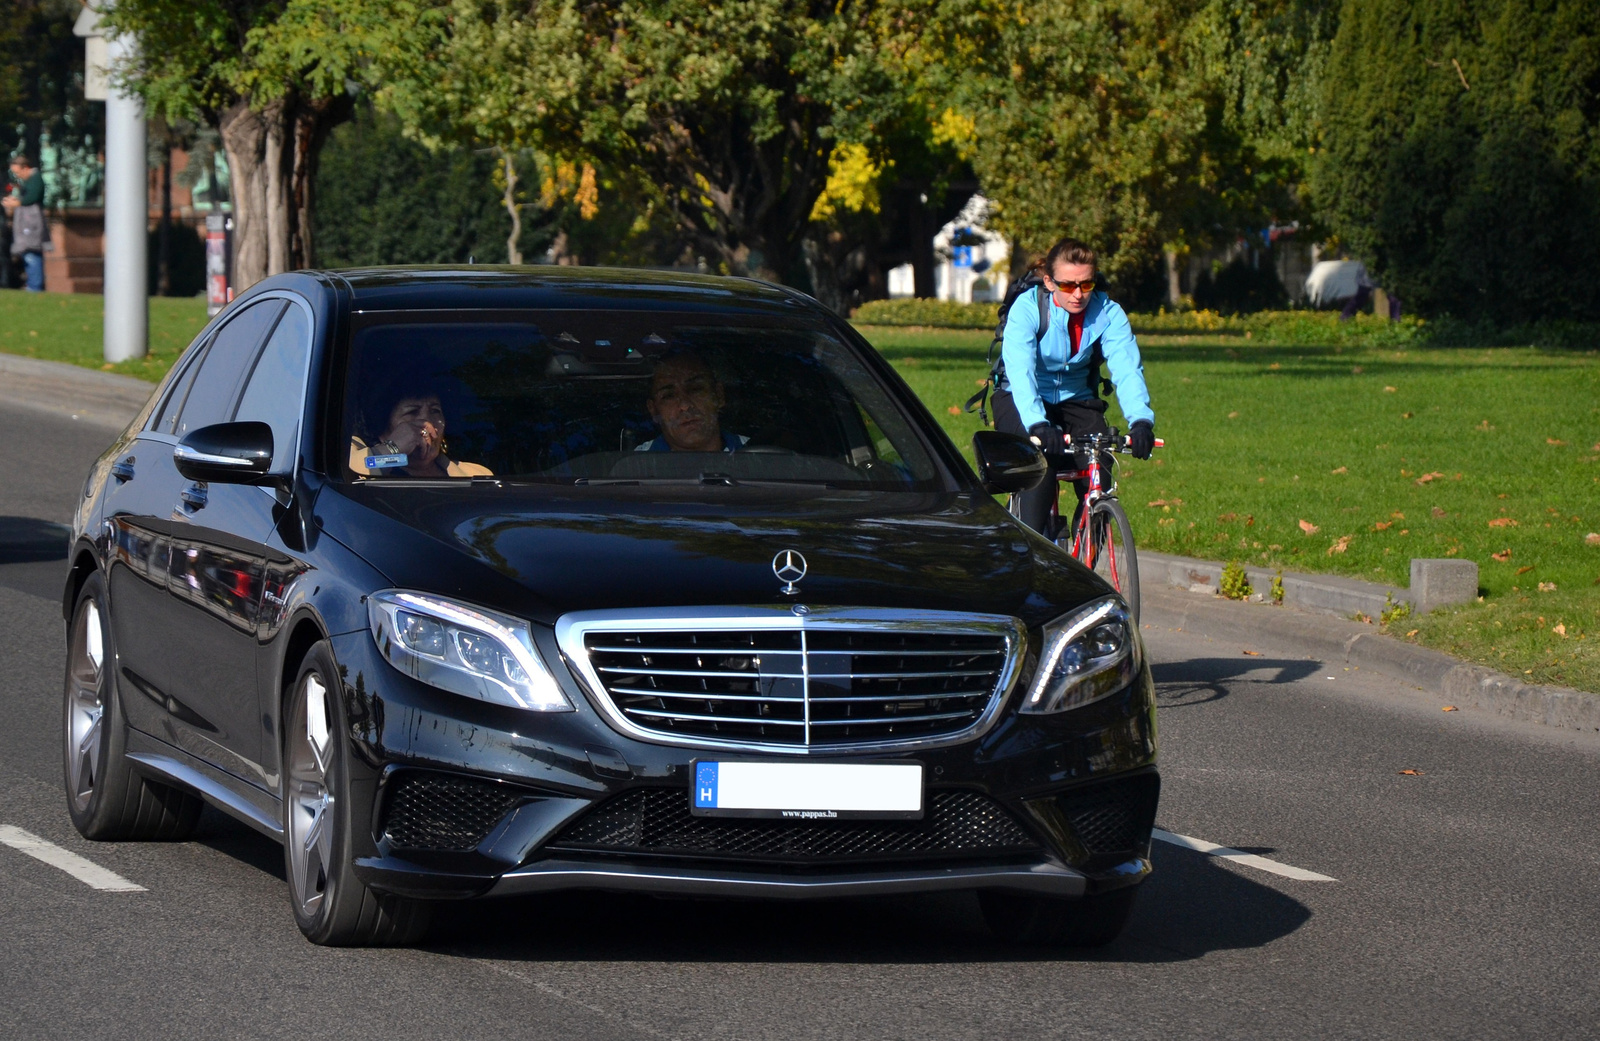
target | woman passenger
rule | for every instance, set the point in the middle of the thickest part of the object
(412, 443)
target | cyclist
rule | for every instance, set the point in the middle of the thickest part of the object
(1051, 381)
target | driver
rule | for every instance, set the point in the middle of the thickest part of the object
(685, 400)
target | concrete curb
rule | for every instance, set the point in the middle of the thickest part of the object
(1459, 683)
(107, 399)
(1319, 594)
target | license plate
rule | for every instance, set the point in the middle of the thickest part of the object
(807, 791)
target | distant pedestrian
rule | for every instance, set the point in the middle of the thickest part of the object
(26, 209)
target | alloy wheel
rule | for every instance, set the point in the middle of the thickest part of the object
(310, 763)
(86, 705)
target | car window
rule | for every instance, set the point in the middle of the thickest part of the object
(273, 392)
(167, 419)
(580, 396)
(211, 395)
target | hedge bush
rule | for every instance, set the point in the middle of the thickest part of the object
(941, 314)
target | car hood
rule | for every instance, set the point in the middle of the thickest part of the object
(542, 554)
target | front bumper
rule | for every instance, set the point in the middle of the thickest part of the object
(1068, 781)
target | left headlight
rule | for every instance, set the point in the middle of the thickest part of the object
(1089, 654)
(463, 649)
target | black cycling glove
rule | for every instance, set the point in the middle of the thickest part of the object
(1050, 440)
(1142, 439)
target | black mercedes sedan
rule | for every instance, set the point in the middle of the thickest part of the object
(473, 582)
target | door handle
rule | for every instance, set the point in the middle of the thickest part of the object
(123, 470)
(194, 497)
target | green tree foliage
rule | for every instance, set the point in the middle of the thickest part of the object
(271, 77)
(382, 198)
(1461, 152)
(723, 110)
(41, 81)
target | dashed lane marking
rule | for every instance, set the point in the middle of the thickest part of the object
(80, 868)
(1241, 857)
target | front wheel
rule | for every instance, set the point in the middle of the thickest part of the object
(1110, 553)
(331, 905)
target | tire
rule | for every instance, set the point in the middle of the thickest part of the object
(1091, 921)
(107, 799)
(331, 905)
(1111, 551)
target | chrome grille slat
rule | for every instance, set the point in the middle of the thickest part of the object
(702, 695)
(838, 679)
(652, 713)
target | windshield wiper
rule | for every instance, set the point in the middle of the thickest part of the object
(709, 478)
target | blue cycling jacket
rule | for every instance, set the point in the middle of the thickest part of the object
(1048, 374)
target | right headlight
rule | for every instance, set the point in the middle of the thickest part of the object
(463, 649)
(1089, 654)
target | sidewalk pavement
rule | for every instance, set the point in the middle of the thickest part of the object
(111, 400)
(1174, 594)
(105, 399)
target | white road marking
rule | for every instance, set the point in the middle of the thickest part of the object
(1240, 857)
(85, 871)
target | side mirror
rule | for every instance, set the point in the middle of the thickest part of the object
(1007, 462)
(226, 453)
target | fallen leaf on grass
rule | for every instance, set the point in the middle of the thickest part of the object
(1275, 365)
(1342, 470)
(1227, 517)
(1341, 545)
(1383, 526)
(1311, 529)
(1554, 441)
(1411, 773)
(1233, 415)
(1502, 522)
(1592, 539)
(1448, 708)
(1397, 515)
(1457, 477)
(1547, 587)
(1438, 512)
(1165, 502)
(1253, 654)
(1412, 632)
(1250, 521)
(1356, 369)
(954, 410)
(1390, 390)
(1560, 630)
(1503, 556)
(1425, 478)
(1485, 426)
(1407, 415)
(1524, 570)
(983, 383)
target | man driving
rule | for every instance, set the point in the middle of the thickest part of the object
(685, 402)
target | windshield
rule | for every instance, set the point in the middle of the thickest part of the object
(593, 397)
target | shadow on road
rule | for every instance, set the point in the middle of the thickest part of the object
(1190, 907)
(25, 540)
(1196, 681)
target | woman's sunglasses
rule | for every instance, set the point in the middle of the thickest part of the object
(1087, 285)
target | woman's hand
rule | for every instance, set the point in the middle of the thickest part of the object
(416, 429)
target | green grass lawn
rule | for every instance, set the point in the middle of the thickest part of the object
(67, 327)
(1491, 455)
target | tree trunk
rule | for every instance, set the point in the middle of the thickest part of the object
(272, 157)
(1174, 284)
(513, 252)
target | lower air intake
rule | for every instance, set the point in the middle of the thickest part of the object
(443, 812)
(657, 821)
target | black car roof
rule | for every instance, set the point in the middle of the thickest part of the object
(485, 287)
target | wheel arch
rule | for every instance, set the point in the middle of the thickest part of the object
(84, 564)
(304, 633)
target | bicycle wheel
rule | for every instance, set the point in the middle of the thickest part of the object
(1111, 553)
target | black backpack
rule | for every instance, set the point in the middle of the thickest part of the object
(997, 366)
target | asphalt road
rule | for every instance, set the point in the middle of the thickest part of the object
(1463, 903)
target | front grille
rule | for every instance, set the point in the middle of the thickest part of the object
(657, 821)
(443, 812)
(801, 686)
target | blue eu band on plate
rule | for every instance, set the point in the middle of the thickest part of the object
(807, 791)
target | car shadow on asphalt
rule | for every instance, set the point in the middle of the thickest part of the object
(1195, 681)
(1191, 906)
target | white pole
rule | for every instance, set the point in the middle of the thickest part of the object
(127, 309)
